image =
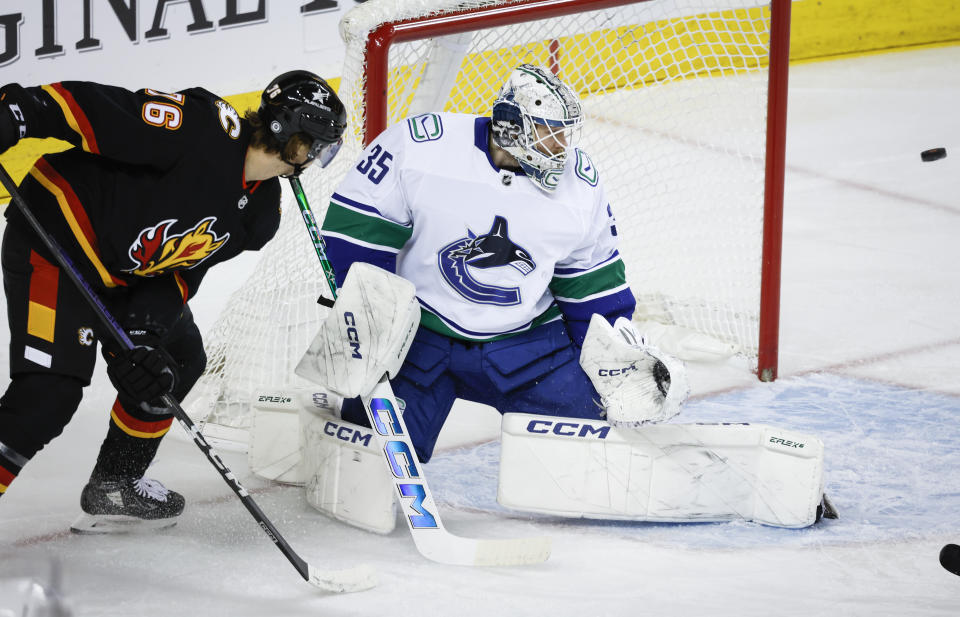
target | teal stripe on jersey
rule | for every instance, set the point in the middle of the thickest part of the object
(607, 278)
(365, 228)
(431, 322)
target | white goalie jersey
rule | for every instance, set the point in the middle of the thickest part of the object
(490, 254)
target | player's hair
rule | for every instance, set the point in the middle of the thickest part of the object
(267, 140)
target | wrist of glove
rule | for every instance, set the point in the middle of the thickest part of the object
(143, 373)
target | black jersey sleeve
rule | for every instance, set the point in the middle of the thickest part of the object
(36, 112)
(146, 127)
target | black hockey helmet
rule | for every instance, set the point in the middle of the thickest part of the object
(302, 102)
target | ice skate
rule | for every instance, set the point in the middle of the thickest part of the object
(127, 505)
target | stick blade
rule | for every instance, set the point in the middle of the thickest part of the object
(455, 550)
(359, 578)
(514, 552)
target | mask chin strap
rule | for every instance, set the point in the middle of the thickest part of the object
(297, 167)
(297, 170)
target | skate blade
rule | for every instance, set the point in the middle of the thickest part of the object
(828, 510)
(114, 523)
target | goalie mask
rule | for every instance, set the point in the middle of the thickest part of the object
(537, 119)
(301, 102)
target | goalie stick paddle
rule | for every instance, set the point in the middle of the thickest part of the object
(414, 496)
(353, 579)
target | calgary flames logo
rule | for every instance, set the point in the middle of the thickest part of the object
(156, 250)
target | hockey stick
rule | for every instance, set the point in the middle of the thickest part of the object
(353, 579)
(414, 496)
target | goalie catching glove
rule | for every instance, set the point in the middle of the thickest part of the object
(637, 382)
(367, 333)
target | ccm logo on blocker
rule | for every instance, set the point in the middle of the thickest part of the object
(352, 335)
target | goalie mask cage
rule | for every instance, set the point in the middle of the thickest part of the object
(685, 105)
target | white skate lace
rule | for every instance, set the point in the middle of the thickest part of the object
(151, 489)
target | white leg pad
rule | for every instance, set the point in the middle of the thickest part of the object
(344, 473)
(663, 472)
(274, 451)
(275, 441)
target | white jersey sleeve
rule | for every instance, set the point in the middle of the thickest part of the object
(368, 219)
(374, 183)
(591, 279)
(599, 241)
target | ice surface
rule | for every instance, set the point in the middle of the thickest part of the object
(870, 352)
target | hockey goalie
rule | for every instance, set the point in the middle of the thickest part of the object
(483, 265)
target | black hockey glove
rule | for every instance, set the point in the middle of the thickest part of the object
(144, 373)
(13, 126)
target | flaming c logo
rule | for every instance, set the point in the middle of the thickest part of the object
(156, 250)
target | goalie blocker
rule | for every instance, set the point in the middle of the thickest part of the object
(367, 333)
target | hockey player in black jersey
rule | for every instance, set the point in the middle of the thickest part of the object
(158, 188)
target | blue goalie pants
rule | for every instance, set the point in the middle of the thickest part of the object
(533, 372)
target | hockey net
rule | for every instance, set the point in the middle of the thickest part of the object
(676, 100)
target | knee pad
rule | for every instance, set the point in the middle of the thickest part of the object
(343, 471)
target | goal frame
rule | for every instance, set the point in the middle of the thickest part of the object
(375, 101)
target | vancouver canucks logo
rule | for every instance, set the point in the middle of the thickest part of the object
(491, 250)
(156, 250)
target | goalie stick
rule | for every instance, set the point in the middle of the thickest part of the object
(353, 579)
(414, 496)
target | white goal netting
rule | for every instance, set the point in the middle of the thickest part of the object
(675, 93)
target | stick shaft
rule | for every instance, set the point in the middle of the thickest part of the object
(314, 231)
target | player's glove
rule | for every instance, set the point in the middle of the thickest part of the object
(143, 373)
(13, 124)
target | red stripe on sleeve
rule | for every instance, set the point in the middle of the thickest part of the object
(72, 201)
(82, 121)
(67, 199)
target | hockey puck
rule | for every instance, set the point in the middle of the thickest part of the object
(933, 154)
(950, 558)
